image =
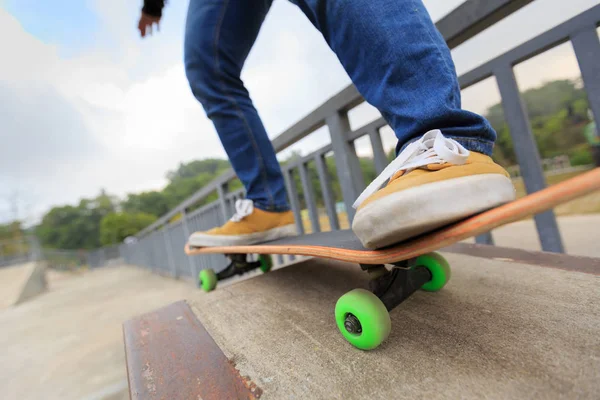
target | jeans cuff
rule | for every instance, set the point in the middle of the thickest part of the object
(272, 207)
(472, 144)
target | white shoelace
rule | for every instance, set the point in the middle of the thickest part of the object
(432, 148)
(243, 208)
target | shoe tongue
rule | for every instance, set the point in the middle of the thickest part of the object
(397, 175)
(428, 167)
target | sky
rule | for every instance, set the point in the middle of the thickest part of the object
(86, 104)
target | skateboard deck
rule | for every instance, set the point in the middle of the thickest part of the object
(362, 316)
(344, 245)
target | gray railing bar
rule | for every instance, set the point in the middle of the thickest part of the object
(309, 198)
(366, 129)
(221, 189)
(190, 201)
(555, 36)
(310, 156)
(346, 161)
(170, 260)
(485, 238)
(186, 234)
(379, 156)
(203, 209)
(235, 194)
(344, 100)
(587, 50)
(328, 199)
(294, 201)
(527, 153)
(472, 17)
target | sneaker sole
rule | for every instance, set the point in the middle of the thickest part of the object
(205, 240)
(411, 212)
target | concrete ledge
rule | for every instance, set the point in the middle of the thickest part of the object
(498, 330)
(567, 262)
(171, 356)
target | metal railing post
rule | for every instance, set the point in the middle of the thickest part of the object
(186, 233)
(485, 238)
(379, 157)
(527, 153)
(309, 197)
(587, 50)
(346, 161)
(167, 240)
(221, 191)
(328, 199)
(293, 198)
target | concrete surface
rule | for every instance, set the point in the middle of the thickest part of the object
(497, 331)
(67, 343)
(580, 234)
(21, 282)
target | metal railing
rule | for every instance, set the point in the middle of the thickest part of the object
(160, 246)
(28, 249)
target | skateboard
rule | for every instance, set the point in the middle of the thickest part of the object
(362, 316)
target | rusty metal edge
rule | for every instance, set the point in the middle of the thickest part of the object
(170, 355)
(589, 265)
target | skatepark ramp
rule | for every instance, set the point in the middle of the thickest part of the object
(21, 282)
(511, 324)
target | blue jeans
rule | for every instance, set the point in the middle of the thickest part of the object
(391, 50)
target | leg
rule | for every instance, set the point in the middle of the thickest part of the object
(218, 37)
(401, 65)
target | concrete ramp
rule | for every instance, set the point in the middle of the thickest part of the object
(21, 282)
(500, 329)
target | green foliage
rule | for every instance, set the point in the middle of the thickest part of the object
(210, 166)
(12, 240)
(581, 155)
(70, 227)
(154, 203)
(115, 227)
(85, 227)
(557, 112)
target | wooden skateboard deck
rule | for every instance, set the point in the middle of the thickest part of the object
(362, 316)
(344, 245)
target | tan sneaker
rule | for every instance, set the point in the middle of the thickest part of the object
(433, 182)
(249, 225)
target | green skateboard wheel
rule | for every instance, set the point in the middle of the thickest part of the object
(266, 263)
(439, 269)
(362, 319)
(207, 279)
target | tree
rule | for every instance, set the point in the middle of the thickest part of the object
(211, 166)
(556, 111)
(70, 227)
(115, 227)
(154, 203)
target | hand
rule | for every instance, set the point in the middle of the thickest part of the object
(146, 23)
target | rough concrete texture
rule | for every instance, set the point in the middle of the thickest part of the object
(497, 331)
(67, 343)
(579, 233)
(21, 282)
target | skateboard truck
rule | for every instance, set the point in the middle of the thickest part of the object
(395, 286)
(362, 316)
(239, 265)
